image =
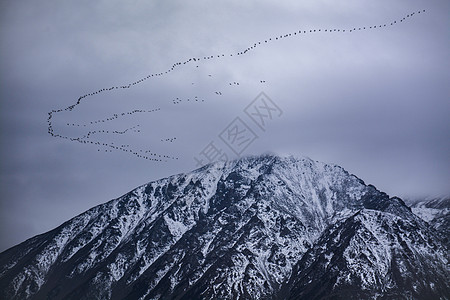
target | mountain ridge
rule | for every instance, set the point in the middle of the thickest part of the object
(241, 229)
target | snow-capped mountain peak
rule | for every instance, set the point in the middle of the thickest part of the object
(258, 227)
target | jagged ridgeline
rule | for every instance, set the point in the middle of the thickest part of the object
(265, 227)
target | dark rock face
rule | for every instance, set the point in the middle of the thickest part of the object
(257, 228)
(435, 211)
(372, 255)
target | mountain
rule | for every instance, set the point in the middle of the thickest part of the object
(435, 211)
(264, 227)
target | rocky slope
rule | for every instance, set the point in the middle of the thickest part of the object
(436, 212)
(264, 227)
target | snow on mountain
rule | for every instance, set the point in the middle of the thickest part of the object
(382, 254)
(263, 227)
(435, 211)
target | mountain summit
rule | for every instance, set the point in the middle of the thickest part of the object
(264, 227)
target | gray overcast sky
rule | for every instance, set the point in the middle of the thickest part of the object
(374, 101)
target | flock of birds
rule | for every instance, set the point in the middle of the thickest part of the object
(195, 99)
(147, 154)
(115, 116)
(109, 146)
(90, 133)
(170, 140)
